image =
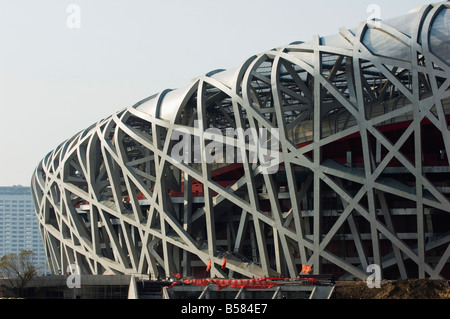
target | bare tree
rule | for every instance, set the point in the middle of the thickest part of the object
(18, 269)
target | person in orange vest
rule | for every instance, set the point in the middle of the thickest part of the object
(224, 263)
(306, 269)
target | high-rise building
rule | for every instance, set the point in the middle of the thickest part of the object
(19, 229)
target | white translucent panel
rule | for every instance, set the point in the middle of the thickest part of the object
(384, 44)
(440, 36)
(227, 77)
(149, 106)
(307, 57)
(406, 24)
(166, 104)
(172, 101)
(336, 40)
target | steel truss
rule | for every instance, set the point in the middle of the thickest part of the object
(364, 175)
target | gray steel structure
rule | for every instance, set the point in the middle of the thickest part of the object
(364, 176)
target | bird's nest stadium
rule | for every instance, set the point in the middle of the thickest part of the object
(357, 172)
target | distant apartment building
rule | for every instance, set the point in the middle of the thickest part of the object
(19, 228)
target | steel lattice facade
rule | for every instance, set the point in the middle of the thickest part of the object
(363, 175)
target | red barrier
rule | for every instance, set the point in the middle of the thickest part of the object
(258, 283)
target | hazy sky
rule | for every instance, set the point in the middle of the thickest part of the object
(56, 80)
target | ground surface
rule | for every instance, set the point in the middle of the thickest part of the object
(402, 289)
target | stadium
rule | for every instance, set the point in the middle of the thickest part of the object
(357, 172)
